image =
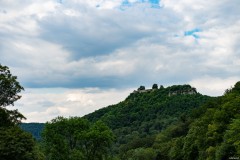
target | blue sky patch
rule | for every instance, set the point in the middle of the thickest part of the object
(193, 33)
(154, 3)
(126, 3)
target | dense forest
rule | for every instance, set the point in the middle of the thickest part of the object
(137, 120)
(161, 123)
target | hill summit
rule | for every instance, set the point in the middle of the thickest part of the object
(146, 112)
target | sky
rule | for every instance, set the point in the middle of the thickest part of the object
(76, 56)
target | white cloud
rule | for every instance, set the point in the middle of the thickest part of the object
(213, 85)
(82, 44)
(41, 105)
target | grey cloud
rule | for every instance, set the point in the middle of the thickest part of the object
(46, 103)
(74, 45)
(93, 35)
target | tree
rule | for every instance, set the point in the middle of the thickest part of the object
(232, 135)
(161, 87)
(60, 137)
(141, 154)
(10, 117)
(75, 138)
(99, 139)
(15, 144)
(141, 88)
(9, 87)
(155, 86)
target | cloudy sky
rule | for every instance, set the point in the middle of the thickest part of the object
(75, 56)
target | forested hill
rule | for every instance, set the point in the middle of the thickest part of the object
(34, 128)
(136, 120)
(144, 112)
(173, 123)
(152, 109)
(213, 132)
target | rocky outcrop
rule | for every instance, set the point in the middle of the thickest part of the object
(188, 91)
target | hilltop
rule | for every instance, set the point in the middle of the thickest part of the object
(146, 112)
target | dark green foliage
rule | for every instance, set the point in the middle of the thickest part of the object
(75, 138)
(140, 154)
(155, 86)
(15, 144)
(9, 87)
(211, 133)
(10, 117)
(143, 115)
(141, 88)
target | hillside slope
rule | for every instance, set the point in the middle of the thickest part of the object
(212, 133)
(145, 113)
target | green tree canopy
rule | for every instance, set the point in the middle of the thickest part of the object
(9, 93)
(15, 144)
(141, 88)
(9, 87)
(155, 86)
(75, 138)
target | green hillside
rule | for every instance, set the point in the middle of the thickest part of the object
(172, 123)
(138, 119)
(213, 132)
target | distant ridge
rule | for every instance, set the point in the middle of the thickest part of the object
(34, 128)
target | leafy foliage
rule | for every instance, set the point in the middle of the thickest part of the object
(212, 133)
(9, 87)
(155, 86)
(75, 138)
(141, 88)
(15, 144)
(144, 114)
(10, 117)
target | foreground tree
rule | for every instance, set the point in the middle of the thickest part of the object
(9, 87)
(75, 138)
(15, 144)
(9, 93)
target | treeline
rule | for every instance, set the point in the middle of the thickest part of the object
(159, 125)
(76, 138)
